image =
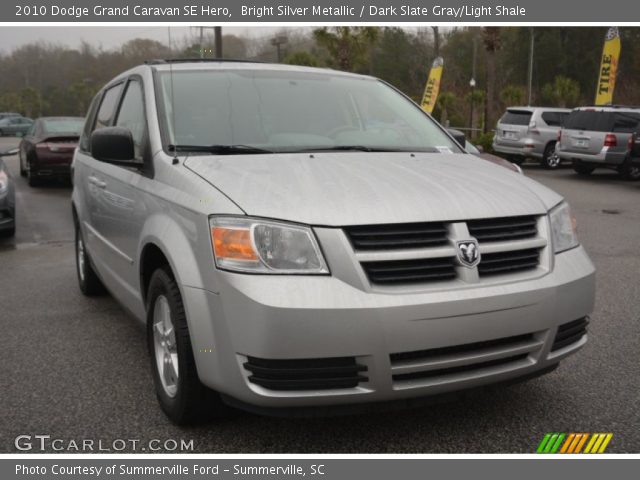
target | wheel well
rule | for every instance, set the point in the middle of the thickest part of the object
(152, 259)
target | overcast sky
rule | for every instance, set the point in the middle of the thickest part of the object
(107, 37)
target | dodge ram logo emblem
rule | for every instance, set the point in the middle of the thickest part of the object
(468, 253)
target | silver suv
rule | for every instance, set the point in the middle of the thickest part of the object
(296, 238)
(594, 137)
(530, 132)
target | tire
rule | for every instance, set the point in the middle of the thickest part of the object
(32, 176)
(583, 169)
(630, 171)
(88, 281)
(23, 171)
(182, 397)
(550, 159)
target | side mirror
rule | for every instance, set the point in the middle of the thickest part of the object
(114, 145)
(458, 136)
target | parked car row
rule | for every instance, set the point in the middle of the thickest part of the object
(588, 137)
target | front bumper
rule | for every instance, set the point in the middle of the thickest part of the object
(288, 317)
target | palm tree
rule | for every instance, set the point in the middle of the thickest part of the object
(492, 41)
(350, 47)
(563, 92)
(446, 101)
(512, 95)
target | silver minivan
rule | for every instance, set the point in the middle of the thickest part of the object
(530, 132)
(595, 137)
(296, 238)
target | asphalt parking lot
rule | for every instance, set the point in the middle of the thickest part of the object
(77, 368)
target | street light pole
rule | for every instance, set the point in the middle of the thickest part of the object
(472, 84)
(530, 69)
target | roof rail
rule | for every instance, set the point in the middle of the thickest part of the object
(161, 61)
(609, 106)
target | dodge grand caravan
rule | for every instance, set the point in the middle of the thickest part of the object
(296, 238)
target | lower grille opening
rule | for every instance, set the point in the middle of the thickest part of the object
(410, 271)
(508, 262)
(569, 333)
(461, 369)
(305, 374)
(460, 349)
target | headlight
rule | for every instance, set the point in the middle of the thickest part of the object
(262, 246)
(4, 181)
(563, 228)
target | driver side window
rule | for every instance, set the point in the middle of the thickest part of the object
(131, 116)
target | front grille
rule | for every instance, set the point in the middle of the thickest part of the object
(503, 229)
(569, 333)
(508, 262)
(410, 271)
(439, 363)
(305, 374)
(397, 236)
(423, 253)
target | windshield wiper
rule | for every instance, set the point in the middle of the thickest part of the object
(363, 148)
(219, 149)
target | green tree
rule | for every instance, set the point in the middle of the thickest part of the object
(562, 92)
(513, 95)
(492, 43)
(350, 48)
(305, 59)
(446, 101)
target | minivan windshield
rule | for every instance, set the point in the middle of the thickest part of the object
(258, 111)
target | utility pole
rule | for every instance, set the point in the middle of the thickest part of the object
(201, 42)
(217, 31)
(218, 35)
(530, 69)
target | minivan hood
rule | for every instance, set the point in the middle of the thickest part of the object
(358, 188)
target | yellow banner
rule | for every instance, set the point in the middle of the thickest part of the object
(433, 86)
(608, 67)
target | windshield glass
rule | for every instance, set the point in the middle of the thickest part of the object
(293, 111)
(63, 125)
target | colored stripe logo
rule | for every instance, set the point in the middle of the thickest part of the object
(574, 443)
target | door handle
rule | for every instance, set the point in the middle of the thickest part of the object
(97, 182)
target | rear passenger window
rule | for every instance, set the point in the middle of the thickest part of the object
(131, 115)
(108, 106)
(554, 119)
(626, 122)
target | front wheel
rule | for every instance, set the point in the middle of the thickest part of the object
(183, 398)
(550, 158)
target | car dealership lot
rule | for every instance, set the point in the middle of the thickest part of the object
(77, 368)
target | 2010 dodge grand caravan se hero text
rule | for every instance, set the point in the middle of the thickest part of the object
(298, 237)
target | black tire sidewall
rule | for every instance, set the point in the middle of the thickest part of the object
(162, 283)
(548, 153)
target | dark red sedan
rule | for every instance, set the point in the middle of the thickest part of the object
(47, 149)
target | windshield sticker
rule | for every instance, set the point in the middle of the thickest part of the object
(444, 149)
